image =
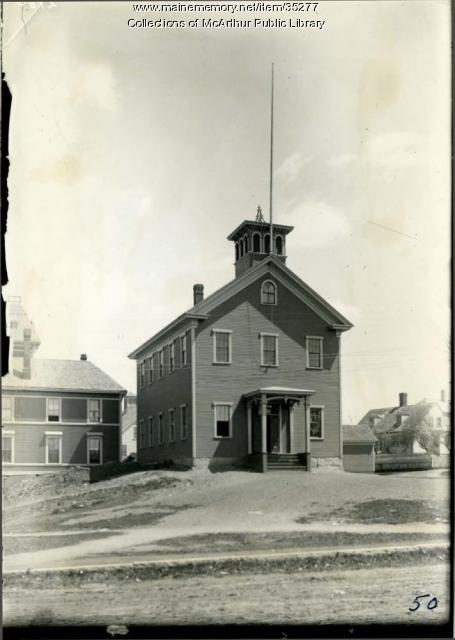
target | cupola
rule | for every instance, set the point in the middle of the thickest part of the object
(253, 243)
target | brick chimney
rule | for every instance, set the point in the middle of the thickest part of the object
(198, 293)
(403, 399)
(27, 368)
(83, 356)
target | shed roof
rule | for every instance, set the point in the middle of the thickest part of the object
(63, 375)
(358, 433)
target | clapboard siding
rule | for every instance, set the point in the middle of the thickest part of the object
(169, 392)
(293, 320)
(30, 442)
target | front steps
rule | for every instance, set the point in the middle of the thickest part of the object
(285, 462)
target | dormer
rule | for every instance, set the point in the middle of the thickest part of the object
(252, 242)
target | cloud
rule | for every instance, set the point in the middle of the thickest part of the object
(291, 167)
(318, 224)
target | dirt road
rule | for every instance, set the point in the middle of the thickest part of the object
(379, 595)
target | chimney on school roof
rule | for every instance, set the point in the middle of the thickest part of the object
(83, 356)
(198, 293)
(403, 399)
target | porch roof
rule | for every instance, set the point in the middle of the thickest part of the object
(284, 392)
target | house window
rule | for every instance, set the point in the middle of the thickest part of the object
(172, 357)
(8, 448)
(150, 432)
(53, 448)
(151, 370)
(7, 409)
(94, 410)
(269, 349)
(222, 346)
(184, 354)
(256, 243)
(183, 422)
(268, 292)
(314, 352)
(161, 363)
(53, 410)
(142, 374)
(317, 423)
(94, 449)
(160, 429)
(171, 425)
(279, 245)
(141, 434)
(223, 419)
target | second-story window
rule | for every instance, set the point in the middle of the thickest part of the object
(142, 374)
(7, 409)
(184, 353)
(94, 410)
(161, 363)
(53, 410)
(314, 352)
(172, 357)
(150, 369)
(222, 346)
(269, 349)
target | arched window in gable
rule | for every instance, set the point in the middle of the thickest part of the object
(257, 243)
(268, 292)
(279, 245)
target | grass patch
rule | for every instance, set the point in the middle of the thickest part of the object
(41, 543)
(387, 511)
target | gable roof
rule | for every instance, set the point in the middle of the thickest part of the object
(201, 310)
(375, 412)
(358, 433)
(393, 420)
(63, 375)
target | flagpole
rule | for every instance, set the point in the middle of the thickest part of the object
(271, 168)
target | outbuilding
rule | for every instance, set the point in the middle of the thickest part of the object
(358, 448)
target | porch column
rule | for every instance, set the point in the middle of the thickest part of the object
(263, 465)
(307, 434)
(291, 428)
(250, 428)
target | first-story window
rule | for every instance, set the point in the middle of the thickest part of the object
(314, 352)
(160, 429)
(7, 409)
(150, 431)
(317, 422)
(222, 346)
(141, 434)
(183, 422)
(8, 448)
(171, 425)
(53, 448)
(269, 349)
(53, 410)
(94, 449)
(223, 419)
(94, 410)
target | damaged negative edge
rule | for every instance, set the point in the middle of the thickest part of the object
(5, 118)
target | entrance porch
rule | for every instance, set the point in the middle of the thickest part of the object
(275, 440)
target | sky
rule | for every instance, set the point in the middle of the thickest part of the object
(136, 151)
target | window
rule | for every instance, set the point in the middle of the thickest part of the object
(94, 410)
(267, 243)
(222, 343)
(183, 422)
(279, 245)
(268, 292)
(53, 410)
(161, 363)
(141, 434)
(184, 353)
(269, 349)
(171, 425)
(317, 423)
(314, 352)
(142, 374)
(8, 448)
(53, 448)
(150, 369)
(150, 431)
(7, 409)
(257, 243)
(237, 253)
(172, 357)
(223, 419)
(160, 429)
(94, 449)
